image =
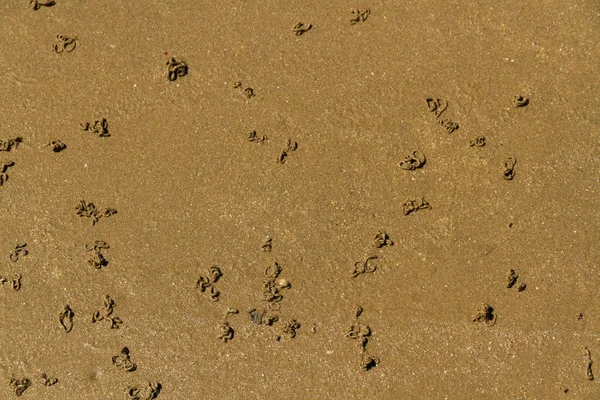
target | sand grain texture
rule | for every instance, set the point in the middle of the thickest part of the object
(191, 191)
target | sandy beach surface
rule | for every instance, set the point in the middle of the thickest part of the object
(274, 140)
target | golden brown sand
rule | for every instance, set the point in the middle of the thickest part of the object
(194, 188)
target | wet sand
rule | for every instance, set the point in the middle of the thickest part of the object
(191, 191)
